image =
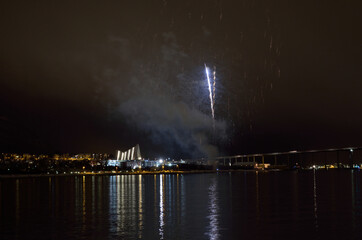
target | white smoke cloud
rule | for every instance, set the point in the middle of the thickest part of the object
(153, 101)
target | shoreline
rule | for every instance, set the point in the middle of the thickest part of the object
(115, 173)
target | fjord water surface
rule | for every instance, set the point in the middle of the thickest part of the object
(239, 205)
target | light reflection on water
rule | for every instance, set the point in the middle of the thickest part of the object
(162, 207)
(140, 205)
(316, 204)
(213, 231)
(356, 201)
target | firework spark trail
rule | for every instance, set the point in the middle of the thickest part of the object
(214, 88)
(210, 92)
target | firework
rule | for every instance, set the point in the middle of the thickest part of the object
(210, 92)
(214, 87)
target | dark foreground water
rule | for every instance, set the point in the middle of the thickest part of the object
(242, 205)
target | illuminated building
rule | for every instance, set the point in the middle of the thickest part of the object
(133, 153)
(131, 157)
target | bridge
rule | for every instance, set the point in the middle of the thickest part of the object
(341, 157)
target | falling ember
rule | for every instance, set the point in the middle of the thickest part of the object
(210, 92)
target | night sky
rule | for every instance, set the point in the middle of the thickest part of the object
(97, 76)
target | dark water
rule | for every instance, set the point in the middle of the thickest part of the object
(244, 205)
